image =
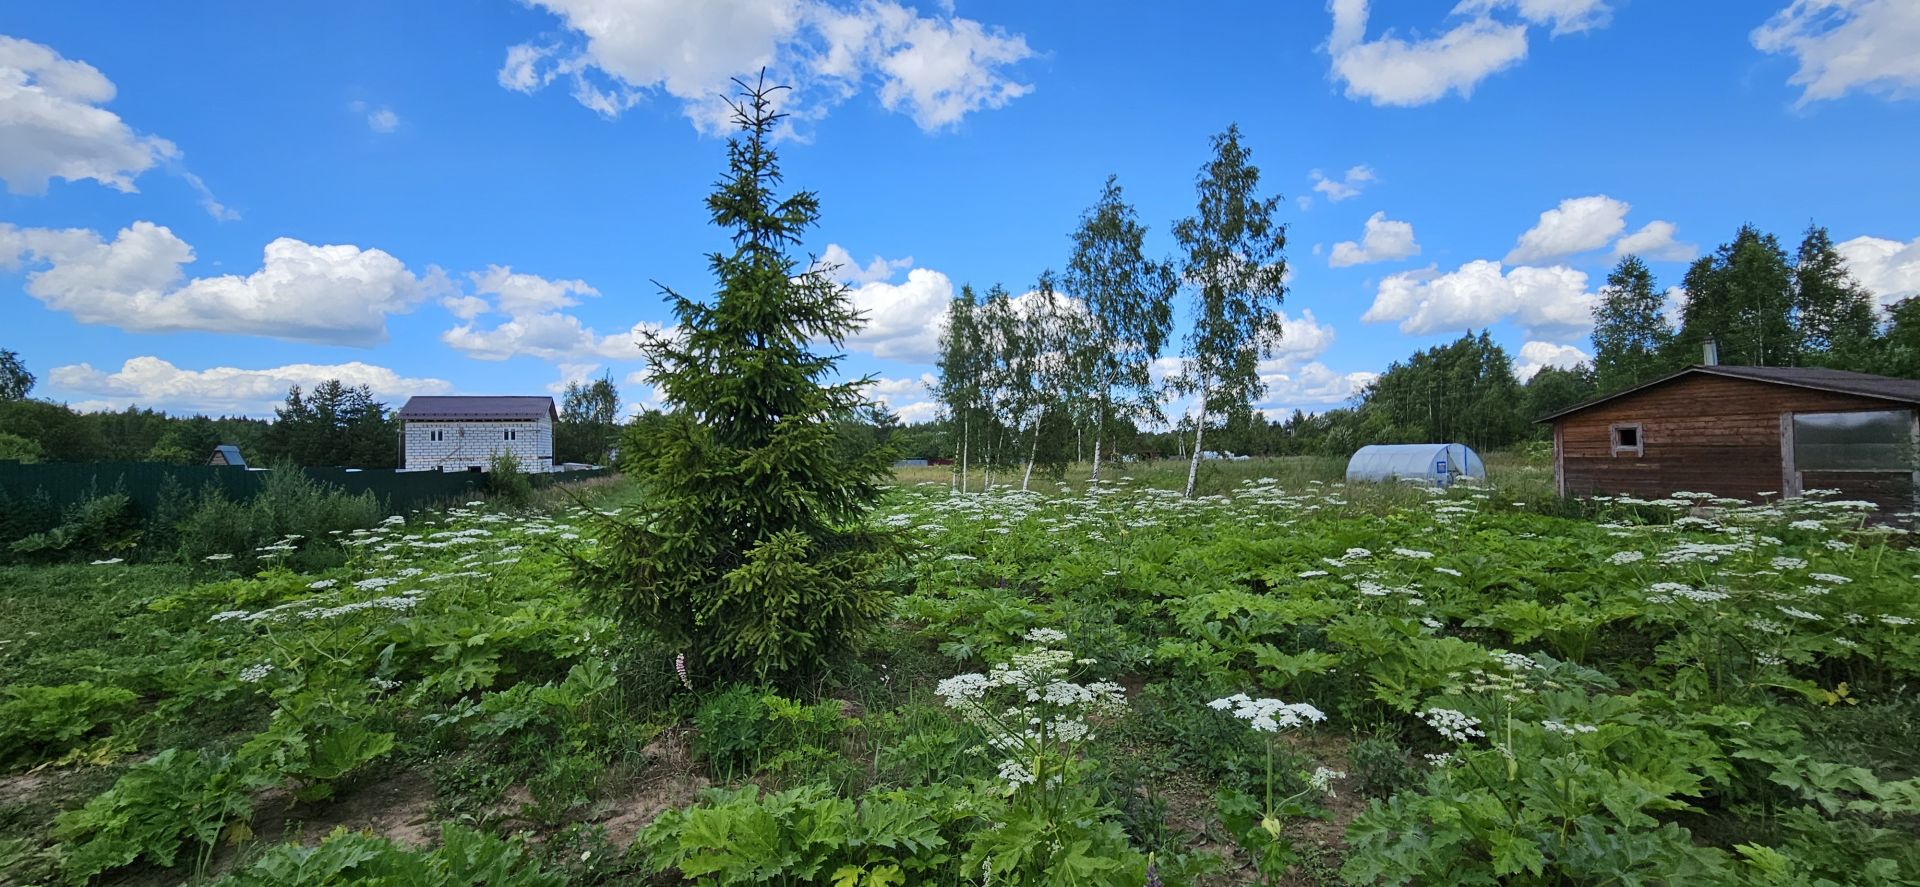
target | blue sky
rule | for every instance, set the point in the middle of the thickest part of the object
(205, 203)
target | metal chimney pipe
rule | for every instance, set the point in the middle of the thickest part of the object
(1711, 353)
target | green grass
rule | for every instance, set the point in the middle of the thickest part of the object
(1523, 476)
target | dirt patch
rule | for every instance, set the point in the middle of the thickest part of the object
(671, 780)
(23, 788)
(398, 807)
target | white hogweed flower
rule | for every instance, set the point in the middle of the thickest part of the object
(1455, 725)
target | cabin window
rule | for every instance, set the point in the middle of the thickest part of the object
(1627, 440)
(1870, 441)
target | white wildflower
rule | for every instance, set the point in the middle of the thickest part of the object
(1455, 725)
(253, 674)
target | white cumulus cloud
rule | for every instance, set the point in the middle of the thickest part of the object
(1844, 45)
(536, 324)
(1577, 225)
(1349, 185)
(52, 126)
(934, 68)
(335, 294)
(1311, 385)
(1888, 267)
(903, 319)
(380, 119)
(1384, 240)
(1655, 241)
(1537, 356)
(153, 382)
(1392, 71)
(1547, 302)
(842, 266)
(909, 398)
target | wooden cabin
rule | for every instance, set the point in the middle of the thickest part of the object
(1745, 432)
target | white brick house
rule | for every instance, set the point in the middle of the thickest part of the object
(464, 433)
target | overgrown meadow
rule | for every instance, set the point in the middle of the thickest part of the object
(1286, 683)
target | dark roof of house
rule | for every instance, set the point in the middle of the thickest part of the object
(1816, 378)
(231, 453)
(436, 408)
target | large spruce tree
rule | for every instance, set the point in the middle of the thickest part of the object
(749, 553)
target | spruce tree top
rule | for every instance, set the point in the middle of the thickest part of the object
(744, 362)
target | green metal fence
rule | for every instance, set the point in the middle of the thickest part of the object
(147, 483)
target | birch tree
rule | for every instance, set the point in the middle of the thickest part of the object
(1236, 268)
(1128, 300)
(960, 370)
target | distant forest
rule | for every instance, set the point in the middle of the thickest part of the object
(1005, 404)
(333, 424)
(1762, 306)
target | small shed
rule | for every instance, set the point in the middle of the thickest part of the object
(1746, 433)
(1435, 463)
(227, 454)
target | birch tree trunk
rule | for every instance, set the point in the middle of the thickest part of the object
(1099, 426)
(1199, 431)
(965, 434)
(1033, 452)
(986, 467)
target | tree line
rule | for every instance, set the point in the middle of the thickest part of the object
(331, 424)
(1052, 372)
(1066, 370)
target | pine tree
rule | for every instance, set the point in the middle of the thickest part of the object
(1236, 266)
(750, 553)
(1128, 301)
(1833, 313)
(1630, 328)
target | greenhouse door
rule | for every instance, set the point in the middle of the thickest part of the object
(1873, 456)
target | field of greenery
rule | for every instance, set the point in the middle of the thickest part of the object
(1288, 682)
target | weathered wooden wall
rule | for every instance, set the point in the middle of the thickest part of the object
(1700, 433)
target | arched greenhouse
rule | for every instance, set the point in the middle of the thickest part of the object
(1434, 463)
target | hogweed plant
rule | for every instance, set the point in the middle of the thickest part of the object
(1035, 715)
(1038, 718)
(1265, 841)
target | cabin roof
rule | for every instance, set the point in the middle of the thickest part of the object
(1814, 378)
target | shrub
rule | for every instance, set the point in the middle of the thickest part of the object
(23, 516)
(14, 448)
(297, 515)
(158, 807)
(1381, 767)
(507, 482)
(106, 524)
(37, 723)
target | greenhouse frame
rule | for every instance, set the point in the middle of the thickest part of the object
(1433, 463)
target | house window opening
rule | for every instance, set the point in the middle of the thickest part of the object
(510, 435)
(1627, 440)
